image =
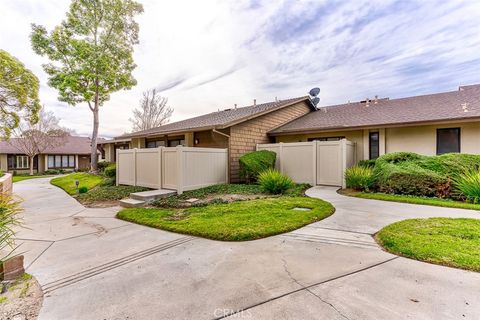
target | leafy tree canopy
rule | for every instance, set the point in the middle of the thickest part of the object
(18, 94)
(91, 50)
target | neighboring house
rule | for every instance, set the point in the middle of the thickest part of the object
(238, 129)
(428, 124)
(108, 148)
(74, 154)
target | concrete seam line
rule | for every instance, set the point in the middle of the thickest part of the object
(39, 240)
(305, 288)
(52, 286)
(90, 233)
(41, 253)
(342, 230)
(315, 237)
(84, 208)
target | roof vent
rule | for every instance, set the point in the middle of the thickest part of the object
(367, 102)
(235, 106)
(376, 100)
(465, 107)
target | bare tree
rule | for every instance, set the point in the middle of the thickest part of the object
(153, 111)
(34, 139)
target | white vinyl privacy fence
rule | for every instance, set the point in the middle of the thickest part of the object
(179, 168)
(316, 162)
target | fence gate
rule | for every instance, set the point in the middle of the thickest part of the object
(316, 162)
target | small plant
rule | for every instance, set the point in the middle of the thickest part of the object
(110, 171)
(367, 163)
(359, 178)
(273, 181)
(9, 210)
(468, 184)
(102, 165)
(83, 189)
(52, 171)
(253, 163)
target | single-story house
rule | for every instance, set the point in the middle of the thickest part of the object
(237, 129)
(428, 124)
(73, 154)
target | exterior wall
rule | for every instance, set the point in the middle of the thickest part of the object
(6, 184)
(245, 136)
(356, 136)
(210, 139)
(138, 143)
(109, 152)
(423, 139)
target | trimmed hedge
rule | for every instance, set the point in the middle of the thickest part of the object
(110, 171)
(253, 163)
(413, 174)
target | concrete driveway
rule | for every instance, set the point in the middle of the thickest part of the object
(93, 266)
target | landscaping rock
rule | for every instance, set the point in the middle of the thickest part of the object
(13, 268)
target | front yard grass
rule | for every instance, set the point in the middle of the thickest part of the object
(411, 199)
(67, 183)
(453, 242)
(236, 221)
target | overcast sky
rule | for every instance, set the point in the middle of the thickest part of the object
(209, 54)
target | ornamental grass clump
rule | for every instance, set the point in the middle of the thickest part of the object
(9, 210)
(359, 178)
(273, 181)
(468, 185)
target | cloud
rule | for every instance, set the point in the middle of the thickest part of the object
(211, 54)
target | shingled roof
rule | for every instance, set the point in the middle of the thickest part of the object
(219, 119)
(72, 145)
(455, 105)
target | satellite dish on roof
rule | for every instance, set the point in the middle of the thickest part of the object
(314, 92)
(313, 96)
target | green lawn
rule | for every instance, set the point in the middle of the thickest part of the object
(107, 193)
(412, 199)
(445, 241)
(67, 182)
(21, 178)
(237, 221)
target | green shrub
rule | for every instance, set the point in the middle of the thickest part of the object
(52, 171)
(359, 178)
(83, 189)
(273, 181)
(103, 164)
(108, 182)
(367, 163)
(253, 163)
(111, 170)
(468, 184)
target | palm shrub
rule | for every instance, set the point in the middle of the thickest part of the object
(273, 181)
(359, 177)
(468, 185)
(111, 170)
(9, 210)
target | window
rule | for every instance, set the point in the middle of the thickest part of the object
(155, 144)
(22, 162)
(448, 140)
(174, 143)
(326, 139)
(374, 145)
(71, 161)
(61, 161)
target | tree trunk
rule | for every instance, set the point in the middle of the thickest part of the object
(93, 155)
(31, 164)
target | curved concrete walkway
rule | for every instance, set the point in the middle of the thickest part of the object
(93, 266)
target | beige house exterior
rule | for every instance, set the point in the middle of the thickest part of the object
(429, 124)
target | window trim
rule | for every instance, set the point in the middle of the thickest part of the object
(370, 144)
(61, 166)
(459, 140)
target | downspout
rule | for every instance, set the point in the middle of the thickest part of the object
(228, 149)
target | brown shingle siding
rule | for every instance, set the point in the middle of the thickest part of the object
(245, 136)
